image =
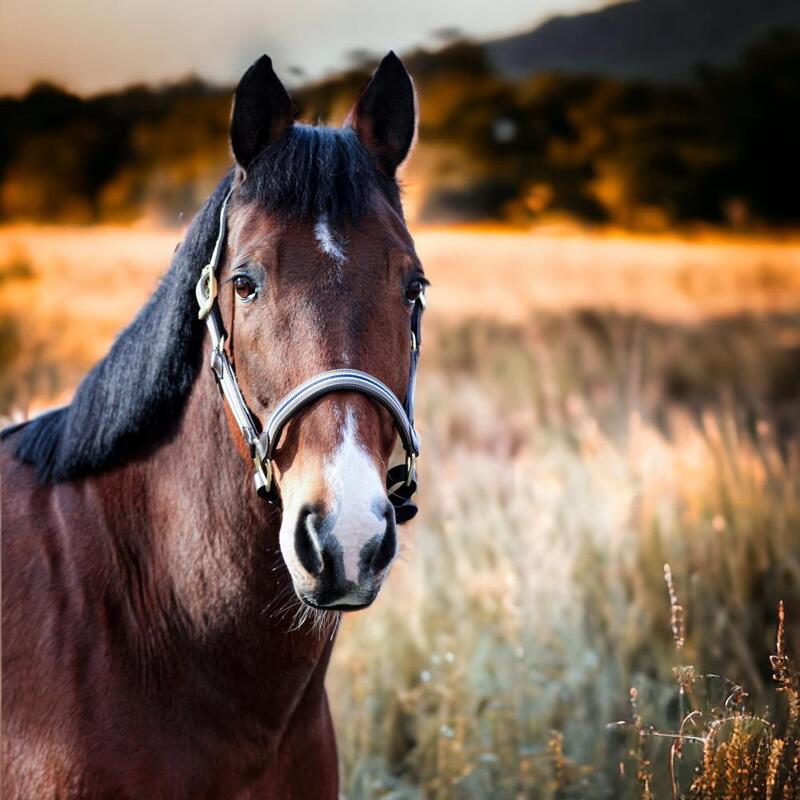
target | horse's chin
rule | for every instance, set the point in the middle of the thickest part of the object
(359, 605)
(328, 591)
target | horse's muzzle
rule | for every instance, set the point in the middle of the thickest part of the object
(342, 569)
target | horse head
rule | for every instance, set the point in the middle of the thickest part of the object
(318, 274)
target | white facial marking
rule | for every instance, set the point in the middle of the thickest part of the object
(359, 497)
(329, 242)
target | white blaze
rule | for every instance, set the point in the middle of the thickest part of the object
(358, 497)
(329, 242)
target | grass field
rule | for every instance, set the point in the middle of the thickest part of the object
(592, 408)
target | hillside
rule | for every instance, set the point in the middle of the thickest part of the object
(651, 39)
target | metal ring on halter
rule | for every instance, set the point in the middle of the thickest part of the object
(206, 291)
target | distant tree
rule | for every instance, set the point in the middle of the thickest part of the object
(721, 148)
(752, 112)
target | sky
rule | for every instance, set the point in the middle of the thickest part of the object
(93, 45)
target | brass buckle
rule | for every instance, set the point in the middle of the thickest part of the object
(206, 291)
(264, 471)
(411, 467)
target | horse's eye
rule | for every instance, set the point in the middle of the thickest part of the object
(413, 291)
(244, 287)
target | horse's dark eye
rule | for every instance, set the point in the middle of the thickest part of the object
(244, 287)
(413, 291)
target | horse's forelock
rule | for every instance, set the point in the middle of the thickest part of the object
(317, 173)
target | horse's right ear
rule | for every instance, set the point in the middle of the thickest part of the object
(262, 112)
(385, 115)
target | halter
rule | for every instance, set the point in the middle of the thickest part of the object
(401, 481)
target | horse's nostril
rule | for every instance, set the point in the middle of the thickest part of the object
(306, 541)
(385, 549)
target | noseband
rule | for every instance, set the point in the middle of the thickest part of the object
(401, 481)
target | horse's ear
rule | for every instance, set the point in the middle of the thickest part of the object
(262, 112)
(385, 114)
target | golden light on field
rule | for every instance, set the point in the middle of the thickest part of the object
(83, 284)
(507, 275)
(91, 281)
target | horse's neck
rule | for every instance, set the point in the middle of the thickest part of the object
(211, 546)
(220, 541)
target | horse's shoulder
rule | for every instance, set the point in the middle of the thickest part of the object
(37, 518)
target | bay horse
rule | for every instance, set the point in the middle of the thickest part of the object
(166, 631)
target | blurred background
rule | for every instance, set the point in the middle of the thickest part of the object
(605, 197)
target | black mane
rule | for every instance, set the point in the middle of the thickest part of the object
(136, 393)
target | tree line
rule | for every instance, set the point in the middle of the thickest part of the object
(720, 148)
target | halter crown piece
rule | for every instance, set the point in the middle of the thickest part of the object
(401, 481)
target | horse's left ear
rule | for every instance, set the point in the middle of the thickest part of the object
(385, 114)
(262, 112)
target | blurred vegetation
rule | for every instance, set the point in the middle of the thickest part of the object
(563, 471)
(620, 363)
(719, 149)
(111, 157)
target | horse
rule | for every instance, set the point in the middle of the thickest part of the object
(179, 544)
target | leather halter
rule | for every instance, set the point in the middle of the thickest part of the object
(401, 481)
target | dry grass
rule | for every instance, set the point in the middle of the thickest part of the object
(587, 417)
(727, 751)
(532, 597)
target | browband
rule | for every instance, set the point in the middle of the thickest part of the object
(400, 481)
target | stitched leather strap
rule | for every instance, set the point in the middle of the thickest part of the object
(338, 380)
